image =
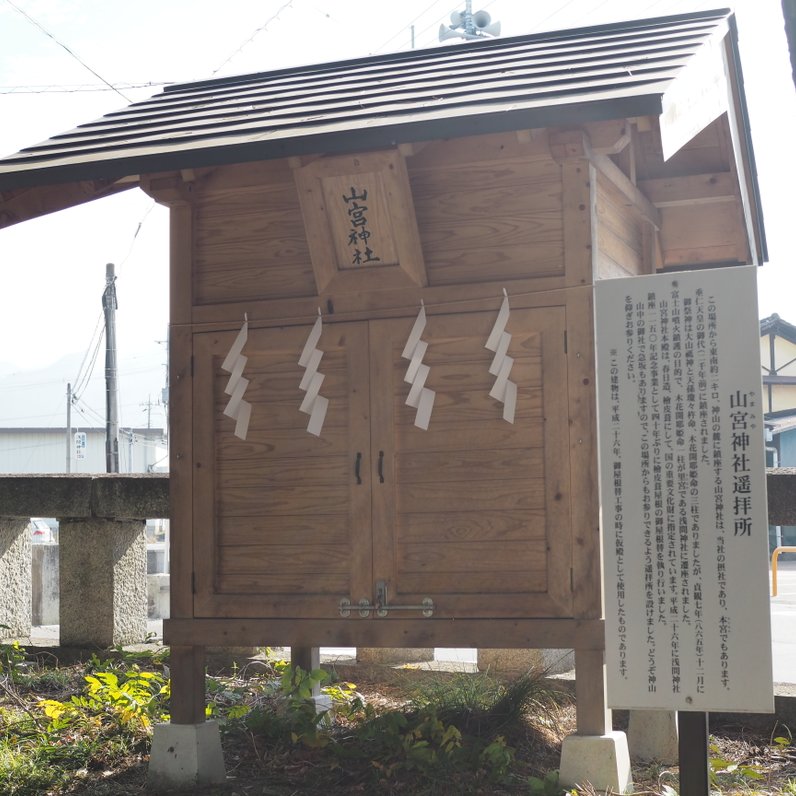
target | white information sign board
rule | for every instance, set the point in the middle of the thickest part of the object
(81, 443)
(682, 485)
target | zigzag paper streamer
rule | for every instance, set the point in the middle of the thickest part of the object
(420, 397)
(314, 405)
(234, 363)
(503, 390)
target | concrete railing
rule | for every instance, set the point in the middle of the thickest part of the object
(102, 551)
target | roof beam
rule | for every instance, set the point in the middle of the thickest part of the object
(26, 203)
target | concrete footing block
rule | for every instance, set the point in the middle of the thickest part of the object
(186, 756)
(514, 662)
(652, 735)
(389, 656)
(600, 760)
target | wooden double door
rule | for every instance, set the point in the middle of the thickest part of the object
(376, 518)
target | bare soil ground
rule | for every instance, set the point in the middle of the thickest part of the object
(750, 761)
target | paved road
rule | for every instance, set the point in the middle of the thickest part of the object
(783, 624)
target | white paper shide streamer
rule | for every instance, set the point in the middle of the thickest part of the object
(420, 397)
(503, 390)
(314, 405)
(234, 363)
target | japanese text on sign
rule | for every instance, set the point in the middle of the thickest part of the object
(683, 492)
(359, 234)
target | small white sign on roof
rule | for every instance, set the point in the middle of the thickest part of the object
(682, 480)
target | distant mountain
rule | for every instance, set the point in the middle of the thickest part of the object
(37, 398)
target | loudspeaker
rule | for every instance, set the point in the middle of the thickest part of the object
(481, 20)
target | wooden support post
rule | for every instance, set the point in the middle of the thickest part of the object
(593, 717)
(187, 666)
(308, 658)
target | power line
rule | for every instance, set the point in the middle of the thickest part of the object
(254, 35)
(84, 375)
(61, 44)
(408, 25)
(66, 88)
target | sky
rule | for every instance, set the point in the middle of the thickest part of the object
(53, 268)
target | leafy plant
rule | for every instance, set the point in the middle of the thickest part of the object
(12, 656)
(546, 786)
(725, 772)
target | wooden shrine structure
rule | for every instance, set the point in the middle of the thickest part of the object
(486, 187)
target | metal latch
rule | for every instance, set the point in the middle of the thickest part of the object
(381, 607)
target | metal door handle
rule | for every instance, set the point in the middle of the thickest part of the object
(381, 467)
(357, 464)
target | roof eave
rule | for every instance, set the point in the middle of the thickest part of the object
(376, 136)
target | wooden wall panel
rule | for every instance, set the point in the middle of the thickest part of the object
(250, 244)
(488, 220)
(708, 233)
(619, 233)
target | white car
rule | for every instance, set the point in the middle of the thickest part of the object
(41, 533)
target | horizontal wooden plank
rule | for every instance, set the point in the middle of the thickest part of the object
(277, 415)
(479, 582)
(469, 348)
(482, 150)
(538, 178)
(303, 500)
(484, 464)
(691, 189)
(277, 443)
(469, 375)
(334, 584)
(464, 231)
(470, 526)
(455, 437)
(267, 473)
(276, 194)
(432, 559)
(473, 406)
(470, 495)
(494, 263)
(273, 357)
(267, 560)
(700, 229)
(533, 291)
(283, 388)
(305, 530)
(407, 632)
(242, 281)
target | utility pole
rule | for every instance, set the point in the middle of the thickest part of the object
(69, 428)
(109, 306)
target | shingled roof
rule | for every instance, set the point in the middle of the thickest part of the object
(566, 77)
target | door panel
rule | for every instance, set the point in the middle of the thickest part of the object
(474, 512)
(281, 523)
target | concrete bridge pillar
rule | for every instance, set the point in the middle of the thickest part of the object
(103, 582)
(15, 577)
